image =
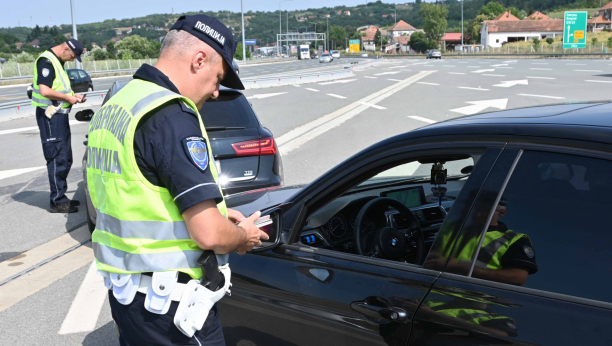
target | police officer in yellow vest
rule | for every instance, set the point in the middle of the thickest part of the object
(154, 184)
(53, 98)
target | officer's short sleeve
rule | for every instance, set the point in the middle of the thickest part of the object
(180, 158)
(520, 255)
(46, 72)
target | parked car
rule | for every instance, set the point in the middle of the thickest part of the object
(373, 253)
(325, 57)
(433, 54)
(2, 61)
(245, 152)
(364, 55)
(335, 54)
(314, 56)
(80, 81)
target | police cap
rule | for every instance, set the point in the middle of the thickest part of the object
(77, 48)
(216, 35)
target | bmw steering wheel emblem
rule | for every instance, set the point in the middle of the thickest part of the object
(393, 241)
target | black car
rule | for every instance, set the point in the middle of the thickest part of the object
(245, 152)
(391, 247)
(80, 81)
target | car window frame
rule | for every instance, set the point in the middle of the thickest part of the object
(75, 75)
(84, 73)
(522, 147)
(372, 163)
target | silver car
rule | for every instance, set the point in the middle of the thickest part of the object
(325, 57)
(434, 54)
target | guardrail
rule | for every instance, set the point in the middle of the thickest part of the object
(509, 56)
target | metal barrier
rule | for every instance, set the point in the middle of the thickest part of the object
(20, 109)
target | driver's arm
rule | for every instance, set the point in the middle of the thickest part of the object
(512, 276)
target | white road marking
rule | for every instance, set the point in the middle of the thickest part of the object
(509, 61)
(398, 66)
(35, 128)
(415, 117)
(511, 83)
(588, 71)
(342, 81)
(540, 77)
(509, 68)
(406, 70)
(494, 75)
(305, 133)
(576, 64)
(427, 83)
(297, 85)
(598, 81)
(311, 89)
(473, 66)
(543, 96)
(14, 172)
(498, 65)
(470, 88)
(370, 77)
(394, 80)
(481, 71)
(264, 96)
(371, 105)
(456, 73)
(87, 304)
(479, 106)
(450, 66)
(337, 96)
(541, 69)
(385, 73)
(539, 63)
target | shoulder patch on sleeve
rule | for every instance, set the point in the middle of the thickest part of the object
(196, 149)
(528, 251)
(45, 72)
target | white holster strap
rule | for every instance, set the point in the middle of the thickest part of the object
(196, 303)
(159, 295)
(125, 286)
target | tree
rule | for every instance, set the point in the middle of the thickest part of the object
(59, 39)
(46, 41)
(139, 47)
(338, 35)
(22, 57)
(419, 42)
(98, 54)
(492, 9)
(594, 40)
(435, 20)
(473, 29)
(550, 40)
(377, 37)
(238, 53)
(110, 49)
(610, 42)
(536, 43)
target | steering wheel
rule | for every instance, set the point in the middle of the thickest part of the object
(389, 242)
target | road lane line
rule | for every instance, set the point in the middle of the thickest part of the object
(14, 172)
(342, 81)
(543, 96)
(539, 63)
(429, 121)
(385, 73)
(576, 64)
(305, 133)
(450, 65)
(456, 73)
(394, 80)
(87, 304)
(470, 88)
(541, 69)
(35, 128)
(311, 89)
(372, 105)
(337, 96)
(370, 77)
(540, 77)
(588, 71)
(493, 75)
(427, 83)
(598, 81)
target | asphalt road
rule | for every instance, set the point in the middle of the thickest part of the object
(18, 92)
(417, 93)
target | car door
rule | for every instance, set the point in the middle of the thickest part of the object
(85, 79)
(558, 200)
(302, 295)
(75, 81)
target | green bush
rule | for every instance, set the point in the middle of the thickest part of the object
(550, 40)
(536, 43)
(23, 57)
(610, 42)
(594, 40)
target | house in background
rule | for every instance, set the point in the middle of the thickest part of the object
(537, 15)
(495, 33)
(602, 20)
(401, 29)
(368, 39)
(506, 16)
(451, 41)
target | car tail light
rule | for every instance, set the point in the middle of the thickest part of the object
(263, 146)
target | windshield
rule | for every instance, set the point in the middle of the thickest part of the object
(304, 50)
(230, 109)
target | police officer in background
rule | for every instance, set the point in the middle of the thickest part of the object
(53, 98)
(154, 183)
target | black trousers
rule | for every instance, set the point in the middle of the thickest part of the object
(57, 150)
(138, 326)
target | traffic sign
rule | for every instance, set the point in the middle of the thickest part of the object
(250, 42)
(574, 30)
(354, 46)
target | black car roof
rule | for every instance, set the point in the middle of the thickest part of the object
(576, 121)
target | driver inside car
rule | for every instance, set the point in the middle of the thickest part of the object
(505, 255)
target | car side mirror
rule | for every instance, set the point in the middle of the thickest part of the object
(273, 230)
(71, 78)
(84, 115)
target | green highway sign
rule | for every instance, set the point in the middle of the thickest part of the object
(574, 30)
(353, 41)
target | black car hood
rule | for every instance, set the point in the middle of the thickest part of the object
(251, 201)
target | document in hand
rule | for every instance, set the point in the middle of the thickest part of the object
(263, 221)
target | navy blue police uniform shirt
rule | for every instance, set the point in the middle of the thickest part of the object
(46, 72)
(519, 255)
(170, 150)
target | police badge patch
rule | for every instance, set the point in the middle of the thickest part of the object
(45, 72)
(195, 148)
(528, 251)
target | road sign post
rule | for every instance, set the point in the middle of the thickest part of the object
(574, 30)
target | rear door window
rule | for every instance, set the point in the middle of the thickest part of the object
(73, 74)
(228, 110)
(82, 74)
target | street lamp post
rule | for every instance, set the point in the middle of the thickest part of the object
(394, 27)
(280, 25)
(462, 26)
(243, 34)
(74, 29)
(327, 35)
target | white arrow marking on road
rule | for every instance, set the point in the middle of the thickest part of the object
(338, 81)
(371, 105)
(384, 73)
(263, 96)
(511, 83)
(311, 89)
(415, 117)
(15, 172)
(479, 106)
(481, 71)
(87, 304)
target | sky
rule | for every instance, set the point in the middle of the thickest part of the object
(56, 12)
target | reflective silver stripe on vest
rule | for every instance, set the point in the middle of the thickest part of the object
(157, 230)
(486, 253)
(150, 262)
(142, 104)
